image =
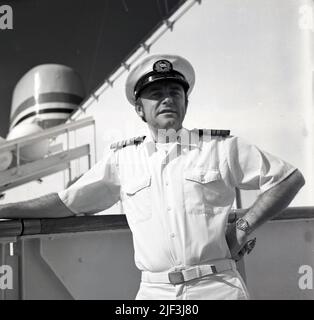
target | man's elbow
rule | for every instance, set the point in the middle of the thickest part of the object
(298, 178)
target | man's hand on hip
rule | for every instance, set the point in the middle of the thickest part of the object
(236, 240)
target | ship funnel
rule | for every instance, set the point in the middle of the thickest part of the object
(46, 95)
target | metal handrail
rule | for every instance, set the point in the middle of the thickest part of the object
(22, 227)
(48, 133)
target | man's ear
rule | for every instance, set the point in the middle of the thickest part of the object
(139, 110)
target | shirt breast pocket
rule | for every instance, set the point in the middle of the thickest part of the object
(203, 191)
(136, 200)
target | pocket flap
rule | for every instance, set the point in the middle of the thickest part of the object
(132, 188)
(201, 176)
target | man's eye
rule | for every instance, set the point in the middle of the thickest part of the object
(155, 95)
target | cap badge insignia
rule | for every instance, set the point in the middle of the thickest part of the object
(162, 66)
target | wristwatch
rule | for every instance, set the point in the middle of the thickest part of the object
(243, 225)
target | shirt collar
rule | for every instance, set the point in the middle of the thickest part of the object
(184, 136)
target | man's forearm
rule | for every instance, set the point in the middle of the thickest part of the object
(48, 206)
(273, 201)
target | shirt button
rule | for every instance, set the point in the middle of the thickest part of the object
(167, 183)
(172, 235)
(168, 208)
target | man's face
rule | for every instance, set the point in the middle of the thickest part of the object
(163, 104)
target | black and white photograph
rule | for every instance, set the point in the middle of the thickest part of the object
(156, 150)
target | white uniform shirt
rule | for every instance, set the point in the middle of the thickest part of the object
(176, 196)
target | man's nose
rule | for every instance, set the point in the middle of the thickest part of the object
(167, 100)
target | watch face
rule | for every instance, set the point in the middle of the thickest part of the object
(242, 224)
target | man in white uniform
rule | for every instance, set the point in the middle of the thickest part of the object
(177, 187)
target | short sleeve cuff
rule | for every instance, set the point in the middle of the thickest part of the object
(64, 197)
(265, 187)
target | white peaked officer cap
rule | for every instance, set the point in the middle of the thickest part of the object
(159, 67)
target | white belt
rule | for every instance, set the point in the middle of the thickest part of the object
(188, 273)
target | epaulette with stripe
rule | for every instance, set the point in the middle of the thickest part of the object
(214, 132)
(128, 142)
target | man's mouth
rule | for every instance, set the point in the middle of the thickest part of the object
(166, 111)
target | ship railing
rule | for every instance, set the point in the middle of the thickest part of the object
(56, 160)
(23, 227)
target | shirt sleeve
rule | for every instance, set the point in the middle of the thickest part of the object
(251, 168)
(97, 190)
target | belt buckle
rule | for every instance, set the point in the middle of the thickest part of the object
(176, 277)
